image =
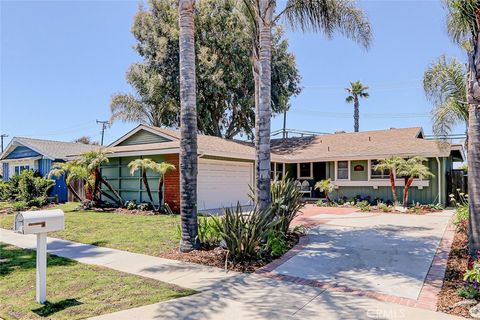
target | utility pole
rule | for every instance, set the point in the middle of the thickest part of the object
(1, 138)
(104, 126)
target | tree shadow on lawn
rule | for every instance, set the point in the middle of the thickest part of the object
(13, 258)
(50, 308)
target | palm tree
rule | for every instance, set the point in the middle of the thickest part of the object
(445, 85)
(162, 169)
(70, 171)
(188, 128)
(326, 16)
(92, 161)
(410, 169)
(357, 90)
(390, 165)
(143, 165)
(326, 186)
(464, 26)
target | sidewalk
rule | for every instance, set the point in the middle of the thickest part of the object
(224, 294)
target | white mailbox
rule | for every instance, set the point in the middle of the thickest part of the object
(43, 221)
(39, 223)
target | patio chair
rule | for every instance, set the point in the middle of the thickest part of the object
(305, 188)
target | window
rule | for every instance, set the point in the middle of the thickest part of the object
(342, 170)
(279, 170)
(305, 170)
(378, 174)
(276, 172)
(19, 169)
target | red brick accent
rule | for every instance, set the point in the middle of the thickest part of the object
(172, 184)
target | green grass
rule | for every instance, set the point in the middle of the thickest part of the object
(135, 233)
(74, 290)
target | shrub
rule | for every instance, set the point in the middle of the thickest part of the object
(286, 203)
(461, 212)
(244, 233)
(468, 292)
(363, 205)
(471, 280)
(131, 205)
(144, 206)
(384, 207)
(208, 231)
(4, 191)
(37, 202)
(19, 205)
(276, 243)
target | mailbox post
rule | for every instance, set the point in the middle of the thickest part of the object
(39, 223)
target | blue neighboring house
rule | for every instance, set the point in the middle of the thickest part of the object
(39, 155)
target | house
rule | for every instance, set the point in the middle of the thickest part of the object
(226, 167)
(348, 159)
(39, 155)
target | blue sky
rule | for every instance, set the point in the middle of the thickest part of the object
(62, 60)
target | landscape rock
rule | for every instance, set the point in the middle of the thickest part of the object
(465, 303)
(475, 311)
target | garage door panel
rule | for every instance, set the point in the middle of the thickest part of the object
(223, 183)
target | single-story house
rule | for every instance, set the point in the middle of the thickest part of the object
(226, 167)
(348, 159)
(39, 155)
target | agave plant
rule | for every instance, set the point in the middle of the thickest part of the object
(286, 203)
(245, 232)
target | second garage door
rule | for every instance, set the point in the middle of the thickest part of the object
(223, 183)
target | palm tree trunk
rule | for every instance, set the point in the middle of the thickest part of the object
(147, 187)
(473, 159)
(356, 114)
(262, 119)
(109, 186)
(473, 152)
(160, 191)
(188, 128)
(408, 183)
(394, 190)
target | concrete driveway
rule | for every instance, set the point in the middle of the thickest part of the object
(385, 253)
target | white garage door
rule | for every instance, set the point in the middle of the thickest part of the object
(223, 183)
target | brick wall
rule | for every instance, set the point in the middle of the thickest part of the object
(172, 184)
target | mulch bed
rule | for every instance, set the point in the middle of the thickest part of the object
(456, 266)
(215, 257)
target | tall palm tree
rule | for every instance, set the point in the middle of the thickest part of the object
(70, 171)
(162, 169)
(445, 85)
(325, 16)
(390, 165)
(355, 91)
(143, 165)
(410, 169)
(188, 128)
(464, 26)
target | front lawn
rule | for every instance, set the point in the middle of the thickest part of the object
(74, 290)
(150, 235)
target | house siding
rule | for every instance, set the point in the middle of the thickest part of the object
(6, 173)
(22, 152)
(130, 187)
(143, 137)
(426, 195)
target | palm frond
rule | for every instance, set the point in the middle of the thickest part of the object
(329, 16)
(462, 22)
(444, 83)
